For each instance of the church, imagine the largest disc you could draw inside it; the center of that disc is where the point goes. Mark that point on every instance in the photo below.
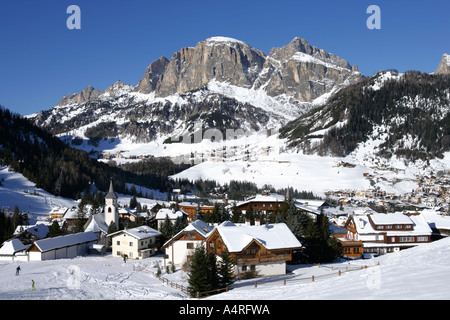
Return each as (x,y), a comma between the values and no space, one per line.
(100,223)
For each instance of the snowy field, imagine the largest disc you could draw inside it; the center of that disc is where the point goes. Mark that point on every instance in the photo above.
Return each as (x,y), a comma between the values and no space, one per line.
(419,273)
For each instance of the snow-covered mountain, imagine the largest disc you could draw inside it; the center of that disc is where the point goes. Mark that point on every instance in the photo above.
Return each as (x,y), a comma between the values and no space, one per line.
(223,83)
(399,115)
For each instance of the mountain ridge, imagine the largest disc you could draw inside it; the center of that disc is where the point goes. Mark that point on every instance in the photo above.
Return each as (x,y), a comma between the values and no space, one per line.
(217,74)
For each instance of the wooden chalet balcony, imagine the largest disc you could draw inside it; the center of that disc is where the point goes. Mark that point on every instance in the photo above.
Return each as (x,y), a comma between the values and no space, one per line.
(248,259)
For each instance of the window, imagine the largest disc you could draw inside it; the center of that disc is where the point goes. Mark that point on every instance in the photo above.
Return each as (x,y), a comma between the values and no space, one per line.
(406,239)
(118,242)
(131,243)
(189,245)
(252,267)
(422,239)
(244,268)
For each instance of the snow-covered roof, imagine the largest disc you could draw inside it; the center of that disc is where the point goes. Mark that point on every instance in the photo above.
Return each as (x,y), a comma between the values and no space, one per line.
(271,197)
(39,230)
(203,228)
(273,236)
(10,247)
(436,220)
(420,226)
(390,219)
(59,210)
(141,232)
(65,241)
(96,223)
(172,214)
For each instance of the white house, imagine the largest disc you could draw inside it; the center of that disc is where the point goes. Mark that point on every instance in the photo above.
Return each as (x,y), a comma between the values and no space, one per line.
(136,243)
(181,246)
(14,250)
(62,247)
(173,216)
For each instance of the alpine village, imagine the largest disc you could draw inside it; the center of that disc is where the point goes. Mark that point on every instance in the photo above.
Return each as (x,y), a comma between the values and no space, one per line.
(81,179)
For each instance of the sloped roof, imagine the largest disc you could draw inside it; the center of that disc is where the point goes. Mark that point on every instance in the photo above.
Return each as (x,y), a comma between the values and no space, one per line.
(141,232)
(39,230)
(12,246)
(272,236)
(96,223)
(199,226)
(65,241)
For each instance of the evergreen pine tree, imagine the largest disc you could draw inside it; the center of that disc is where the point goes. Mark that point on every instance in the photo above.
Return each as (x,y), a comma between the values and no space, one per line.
(198,279)
(54,230)
(212,271)
(226,272)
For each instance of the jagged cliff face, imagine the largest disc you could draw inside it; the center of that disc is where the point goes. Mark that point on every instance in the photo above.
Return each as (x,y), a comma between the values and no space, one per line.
(444,66)
(223,82)
(297,69)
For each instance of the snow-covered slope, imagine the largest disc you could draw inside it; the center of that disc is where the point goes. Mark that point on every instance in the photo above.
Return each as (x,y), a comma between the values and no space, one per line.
(15,189)
(418,273)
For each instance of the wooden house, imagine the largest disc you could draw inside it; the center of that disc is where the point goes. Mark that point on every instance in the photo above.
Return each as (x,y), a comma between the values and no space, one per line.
(264,203)
(383,233)
(255,250)
(58,212)
(193,208)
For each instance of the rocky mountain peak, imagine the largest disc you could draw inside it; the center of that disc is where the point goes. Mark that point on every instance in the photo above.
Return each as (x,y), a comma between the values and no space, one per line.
(85,95)
(444,66)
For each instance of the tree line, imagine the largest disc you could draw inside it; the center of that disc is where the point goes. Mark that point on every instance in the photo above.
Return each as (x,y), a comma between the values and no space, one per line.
(414,105)
(64,171)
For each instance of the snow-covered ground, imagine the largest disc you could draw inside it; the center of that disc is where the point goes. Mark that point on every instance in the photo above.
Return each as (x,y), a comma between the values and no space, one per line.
(419,273)
(15,189)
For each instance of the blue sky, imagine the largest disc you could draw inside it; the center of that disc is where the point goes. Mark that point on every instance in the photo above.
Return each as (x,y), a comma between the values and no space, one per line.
(41,60)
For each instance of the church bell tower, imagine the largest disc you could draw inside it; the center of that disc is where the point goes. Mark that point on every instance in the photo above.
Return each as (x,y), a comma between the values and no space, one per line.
(111,207)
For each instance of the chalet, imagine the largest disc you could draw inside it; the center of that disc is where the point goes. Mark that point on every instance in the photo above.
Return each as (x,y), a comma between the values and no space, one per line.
(255,250)
(193,208)
(180,247)
(58,212)
(62,247)
(383,233)
(136,243)
(265,203)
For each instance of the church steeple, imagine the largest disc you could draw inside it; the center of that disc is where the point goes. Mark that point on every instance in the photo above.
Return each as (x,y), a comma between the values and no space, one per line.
(111,194)
(111,207)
